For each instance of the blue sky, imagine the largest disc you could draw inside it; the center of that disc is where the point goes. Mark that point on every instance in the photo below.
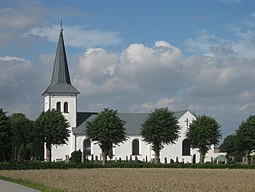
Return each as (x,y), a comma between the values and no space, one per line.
(133,56)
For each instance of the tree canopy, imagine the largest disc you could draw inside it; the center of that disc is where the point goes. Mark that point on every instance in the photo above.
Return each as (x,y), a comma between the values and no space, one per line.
(107,129)
(246,135)
(161,127)
(21,129)
(203,132)
(231,146)
(54,129)
(5,137)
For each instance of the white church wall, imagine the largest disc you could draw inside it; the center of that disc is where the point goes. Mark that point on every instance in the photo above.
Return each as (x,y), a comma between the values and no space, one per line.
(79,143)
(209,156)
(95,148)
(70,99)
(174,151)
(171,151)
(60,152)
(124,150)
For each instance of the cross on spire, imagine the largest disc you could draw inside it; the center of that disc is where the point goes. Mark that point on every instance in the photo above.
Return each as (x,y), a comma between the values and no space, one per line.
(61,26)
(187,122)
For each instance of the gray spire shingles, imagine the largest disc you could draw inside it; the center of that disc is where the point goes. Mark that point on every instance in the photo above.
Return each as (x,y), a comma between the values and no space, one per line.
(60,81)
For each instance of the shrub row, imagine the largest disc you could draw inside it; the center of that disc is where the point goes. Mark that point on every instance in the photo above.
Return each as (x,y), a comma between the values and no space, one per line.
(62,165)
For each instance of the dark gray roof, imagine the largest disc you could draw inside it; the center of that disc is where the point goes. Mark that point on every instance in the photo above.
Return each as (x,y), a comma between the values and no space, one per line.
(60,81)
(132,125)
(83,116)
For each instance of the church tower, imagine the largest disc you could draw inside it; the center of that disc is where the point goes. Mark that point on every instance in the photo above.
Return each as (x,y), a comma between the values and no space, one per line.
(62,96)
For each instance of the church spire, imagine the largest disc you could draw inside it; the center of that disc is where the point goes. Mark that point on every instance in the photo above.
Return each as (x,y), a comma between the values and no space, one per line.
(60,81)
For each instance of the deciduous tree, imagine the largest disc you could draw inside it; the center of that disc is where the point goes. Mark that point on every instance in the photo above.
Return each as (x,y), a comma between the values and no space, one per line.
(21,128)
(5,147)
(246,135)
(203,133)
(107,129)
(161,127)
(37,144)
(231,146)
(54,129)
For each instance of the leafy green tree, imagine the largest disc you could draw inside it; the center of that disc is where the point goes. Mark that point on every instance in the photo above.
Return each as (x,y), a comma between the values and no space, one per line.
(231,146)
(5,146)
(107,129)
(161,127)
(36,146)
(21,128)
(54,129)
(202,133)
(246,135)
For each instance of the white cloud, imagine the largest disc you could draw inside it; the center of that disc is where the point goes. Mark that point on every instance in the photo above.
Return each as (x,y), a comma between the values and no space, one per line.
(14,21)
(141,63)
(19,86)
(220,86)
(138,80)
(136,66)
(77,36)
(10,18)
(209,44)
(230,1)
(246,95)
(96,72)
(160,103)
(12,58)
(248,106)
(12,70)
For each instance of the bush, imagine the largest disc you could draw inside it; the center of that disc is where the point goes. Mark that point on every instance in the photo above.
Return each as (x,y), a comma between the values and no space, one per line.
(76,156)
(89,165)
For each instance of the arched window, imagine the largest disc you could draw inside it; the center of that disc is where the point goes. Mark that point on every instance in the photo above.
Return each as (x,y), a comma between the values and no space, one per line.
(135,147)
(58,106)
(87,147)
(65,107)
(185,147)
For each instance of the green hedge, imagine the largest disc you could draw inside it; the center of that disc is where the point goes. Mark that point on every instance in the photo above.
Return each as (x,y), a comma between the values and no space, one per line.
(62,165)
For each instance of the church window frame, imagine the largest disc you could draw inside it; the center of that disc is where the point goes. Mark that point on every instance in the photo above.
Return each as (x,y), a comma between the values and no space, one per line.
(186,147)
(135,147)
(58,106)
(66,107)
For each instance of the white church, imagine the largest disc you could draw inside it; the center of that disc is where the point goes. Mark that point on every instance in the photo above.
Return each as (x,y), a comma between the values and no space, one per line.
(62,96)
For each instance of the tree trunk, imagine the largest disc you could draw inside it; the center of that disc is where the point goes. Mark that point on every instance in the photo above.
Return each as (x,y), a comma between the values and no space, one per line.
(104,157)
(157,160)
(202,157)
(247,158)
(48,152)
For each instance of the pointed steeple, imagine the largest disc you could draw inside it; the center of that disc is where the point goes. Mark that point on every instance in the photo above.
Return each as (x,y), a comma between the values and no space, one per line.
(60,81)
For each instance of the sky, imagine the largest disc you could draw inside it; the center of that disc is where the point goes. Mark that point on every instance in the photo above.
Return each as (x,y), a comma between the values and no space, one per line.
(133,56)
